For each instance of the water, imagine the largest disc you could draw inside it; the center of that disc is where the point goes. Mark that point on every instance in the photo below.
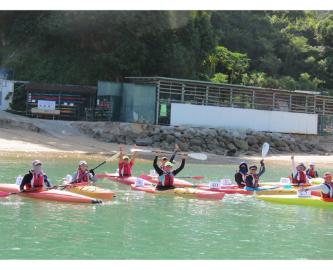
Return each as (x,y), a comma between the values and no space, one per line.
(138,225)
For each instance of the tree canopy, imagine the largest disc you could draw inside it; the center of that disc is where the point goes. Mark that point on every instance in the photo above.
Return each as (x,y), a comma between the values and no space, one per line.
(278,49)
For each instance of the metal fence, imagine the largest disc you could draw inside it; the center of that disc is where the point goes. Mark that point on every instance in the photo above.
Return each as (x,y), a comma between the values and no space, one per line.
(171,90)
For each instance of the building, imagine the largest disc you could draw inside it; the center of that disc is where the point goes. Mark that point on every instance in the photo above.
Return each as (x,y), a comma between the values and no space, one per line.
(58,101)
(201,103)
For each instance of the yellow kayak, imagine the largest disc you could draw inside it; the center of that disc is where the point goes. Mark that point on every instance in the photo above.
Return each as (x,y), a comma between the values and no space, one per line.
(91,191)
(295,200)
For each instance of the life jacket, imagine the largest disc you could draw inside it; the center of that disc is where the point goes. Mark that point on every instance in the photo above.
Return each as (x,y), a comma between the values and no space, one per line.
(82,176)
(37,180)
(125,169)
(299,178)
(166,180)
(330,193)
(251,179)
(311,173)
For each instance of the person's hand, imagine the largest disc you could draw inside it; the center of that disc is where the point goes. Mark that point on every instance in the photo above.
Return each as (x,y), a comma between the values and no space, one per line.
(262,162)
(92,172)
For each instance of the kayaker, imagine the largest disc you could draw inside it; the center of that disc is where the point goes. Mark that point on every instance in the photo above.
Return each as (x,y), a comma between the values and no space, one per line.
(252,179)
(83,175)
(311,172)
(240,176)
(298,175)
(35,178)
(125,164)
(326,188)
(165,159)
(166,175)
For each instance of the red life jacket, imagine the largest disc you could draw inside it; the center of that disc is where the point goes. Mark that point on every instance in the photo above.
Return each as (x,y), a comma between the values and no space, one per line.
(37,180)
(311,173)
(125,170)
(166,180)
(299,178)
(82,176)
(330,193)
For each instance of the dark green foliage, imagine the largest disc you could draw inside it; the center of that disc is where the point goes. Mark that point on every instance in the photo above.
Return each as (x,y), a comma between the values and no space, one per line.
(282,49)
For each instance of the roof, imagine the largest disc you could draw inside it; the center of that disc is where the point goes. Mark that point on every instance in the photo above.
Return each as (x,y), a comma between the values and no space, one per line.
(81,89)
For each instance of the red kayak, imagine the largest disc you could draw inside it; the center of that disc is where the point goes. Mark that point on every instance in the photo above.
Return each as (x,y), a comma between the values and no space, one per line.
(185,192)
(148,179)
(3,194)
(51,195)
(116,178)
(227,190)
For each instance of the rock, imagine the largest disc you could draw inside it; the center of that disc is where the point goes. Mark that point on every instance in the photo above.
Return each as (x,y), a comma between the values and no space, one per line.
(241,144)
(251,140)
(231,146)
(195,148)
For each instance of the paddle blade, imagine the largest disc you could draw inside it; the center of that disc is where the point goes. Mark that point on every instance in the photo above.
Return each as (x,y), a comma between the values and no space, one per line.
(114,157)
(199,156)
(264,150)
(141,150)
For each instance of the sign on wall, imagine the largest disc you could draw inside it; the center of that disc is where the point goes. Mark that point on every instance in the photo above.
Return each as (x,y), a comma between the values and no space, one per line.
(46,105)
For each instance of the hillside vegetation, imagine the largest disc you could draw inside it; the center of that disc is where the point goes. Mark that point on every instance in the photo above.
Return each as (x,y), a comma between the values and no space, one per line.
(278,49)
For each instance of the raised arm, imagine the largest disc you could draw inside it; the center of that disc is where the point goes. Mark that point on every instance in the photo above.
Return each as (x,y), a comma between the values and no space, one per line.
(293,165)
(262,168)
(182,165)
(157,169)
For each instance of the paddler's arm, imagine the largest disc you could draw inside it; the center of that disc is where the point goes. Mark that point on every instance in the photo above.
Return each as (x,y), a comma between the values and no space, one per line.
(262,168)
(157,169)
(181,165)
(321,187)
(47,182)
(26,180)
(121,154)
(293,166)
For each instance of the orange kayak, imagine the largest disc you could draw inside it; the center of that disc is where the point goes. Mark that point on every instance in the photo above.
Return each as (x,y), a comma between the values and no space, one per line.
(50,195)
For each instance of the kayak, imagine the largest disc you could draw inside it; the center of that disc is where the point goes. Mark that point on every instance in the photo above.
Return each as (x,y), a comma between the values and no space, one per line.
(148,179)
(295,200)
(185,192)
(116,178)
(51,195)
(226,190)
(265,190)
(176,182)
(3,194)
(91,191)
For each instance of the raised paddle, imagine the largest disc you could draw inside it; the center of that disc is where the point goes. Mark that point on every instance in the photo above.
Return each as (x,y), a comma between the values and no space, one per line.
(264,150)
(199,156)
(113,157)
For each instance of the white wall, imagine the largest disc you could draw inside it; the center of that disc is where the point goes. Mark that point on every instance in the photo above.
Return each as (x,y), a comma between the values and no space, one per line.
(259,120)
(6,86)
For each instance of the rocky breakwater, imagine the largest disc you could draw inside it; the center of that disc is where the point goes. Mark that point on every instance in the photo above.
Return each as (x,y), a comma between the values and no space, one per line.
(218,141)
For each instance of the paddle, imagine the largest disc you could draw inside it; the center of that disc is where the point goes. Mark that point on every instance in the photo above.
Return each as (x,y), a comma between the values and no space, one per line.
(199,156)
(113,157)
(196,177)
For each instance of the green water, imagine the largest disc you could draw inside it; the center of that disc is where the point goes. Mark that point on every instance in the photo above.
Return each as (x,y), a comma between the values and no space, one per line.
(138,225)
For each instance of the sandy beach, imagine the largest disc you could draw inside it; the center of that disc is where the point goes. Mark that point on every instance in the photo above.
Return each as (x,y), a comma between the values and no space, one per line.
(68,142)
